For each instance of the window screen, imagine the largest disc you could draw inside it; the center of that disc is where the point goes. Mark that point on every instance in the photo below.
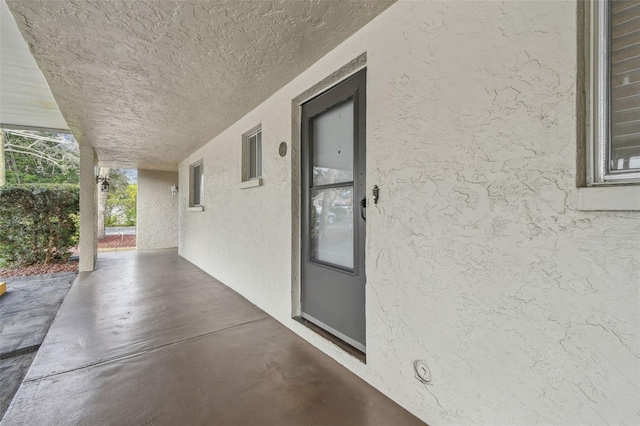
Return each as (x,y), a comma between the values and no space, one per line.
(624,59)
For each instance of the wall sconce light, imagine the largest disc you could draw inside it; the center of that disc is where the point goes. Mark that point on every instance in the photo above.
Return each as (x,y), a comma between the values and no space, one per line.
(105,183)
(174,190)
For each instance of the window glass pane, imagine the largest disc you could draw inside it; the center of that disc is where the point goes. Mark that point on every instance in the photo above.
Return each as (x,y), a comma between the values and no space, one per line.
(625,85)
(201,196)
(331,226)
(259,154)
(252,156)
(196,195)
(332,136)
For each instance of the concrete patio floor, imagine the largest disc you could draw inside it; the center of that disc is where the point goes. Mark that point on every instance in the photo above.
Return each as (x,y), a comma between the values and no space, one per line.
(148,338)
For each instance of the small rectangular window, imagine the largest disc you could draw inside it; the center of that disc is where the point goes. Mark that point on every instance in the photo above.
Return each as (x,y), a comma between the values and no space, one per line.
(252,158)
(196,193)
(613,91)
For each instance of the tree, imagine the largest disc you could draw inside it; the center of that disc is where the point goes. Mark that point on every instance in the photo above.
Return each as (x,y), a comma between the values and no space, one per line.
(36,157)
(121,203)
(38,219)
(118,206)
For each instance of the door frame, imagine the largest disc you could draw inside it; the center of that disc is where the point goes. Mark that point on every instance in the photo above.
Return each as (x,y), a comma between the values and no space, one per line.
(328,287)
(351,68)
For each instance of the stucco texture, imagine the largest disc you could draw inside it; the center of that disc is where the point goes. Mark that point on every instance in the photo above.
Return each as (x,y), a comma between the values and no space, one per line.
(170,75)
(478,262)
(157,216)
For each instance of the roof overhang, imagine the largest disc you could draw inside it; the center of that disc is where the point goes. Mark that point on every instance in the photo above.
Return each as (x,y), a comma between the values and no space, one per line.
(26,102)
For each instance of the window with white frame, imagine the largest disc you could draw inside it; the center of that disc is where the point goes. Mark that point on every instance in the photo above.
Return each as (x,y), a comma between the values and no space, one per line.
(196,184)
(252,154)
(613,83)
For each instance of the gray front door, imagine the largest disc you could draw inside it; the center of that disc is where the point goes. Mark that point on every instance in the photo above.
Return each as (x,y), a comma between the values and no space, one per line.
(333,220)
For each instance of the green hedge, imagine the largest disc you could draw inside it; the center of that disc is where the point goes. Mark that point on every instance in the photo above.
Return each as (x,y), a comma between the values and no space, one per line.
(38,223)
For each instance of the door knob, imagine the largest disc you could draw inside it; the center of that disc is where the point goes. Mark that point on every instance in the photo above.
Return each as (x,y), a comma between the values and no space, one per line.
(363,206)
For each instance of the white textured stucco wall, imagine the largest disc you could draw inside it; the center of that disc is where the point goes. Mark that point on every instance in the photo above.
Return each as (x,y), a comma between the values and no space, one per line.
(478,261)
(157,220)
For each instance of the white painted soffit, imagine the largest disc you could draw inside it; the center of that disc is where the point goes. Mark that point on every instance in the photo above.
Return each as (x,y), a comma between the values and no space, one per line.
(26,101)
(148,82)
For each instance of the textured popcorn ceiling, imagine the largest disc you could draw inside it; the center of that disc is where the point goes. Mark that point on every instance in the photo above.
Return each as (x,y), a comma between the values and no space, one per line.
(148,82)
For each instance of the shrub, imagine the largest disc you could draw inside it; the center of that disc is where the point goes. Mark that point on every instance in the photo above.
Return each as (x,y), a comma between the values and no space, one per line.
(38,223)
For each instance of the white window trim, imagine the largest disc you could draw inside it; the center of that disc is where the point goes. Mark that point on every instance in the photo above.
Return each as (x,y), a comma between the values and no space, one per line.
(246,181)
(597,78)
(251,183)
(609,198)
(192,206)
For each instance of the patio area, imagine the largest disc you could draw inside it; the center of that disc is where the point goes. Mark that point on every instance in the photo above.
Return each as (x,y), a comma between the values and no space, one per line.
(150,338)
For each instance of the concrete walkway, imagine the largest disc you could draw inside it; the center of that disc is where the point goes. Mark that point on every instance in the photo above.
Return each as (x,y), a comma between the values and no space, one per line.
(120,230)
(26,312)
(148,338)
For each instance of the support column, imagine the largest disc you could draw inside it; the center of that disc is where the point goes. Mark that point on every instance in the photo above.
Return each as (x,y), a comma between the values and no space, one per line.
(88,244)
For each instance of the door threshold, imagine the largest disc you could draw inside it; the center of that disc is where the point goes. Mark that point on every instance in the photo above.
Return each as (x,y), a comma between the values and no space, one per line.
(345,346)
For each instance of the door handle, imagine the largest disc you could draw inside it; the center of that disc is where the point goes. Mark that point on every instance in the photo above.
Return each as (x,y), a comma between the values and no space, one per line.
(363,207)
